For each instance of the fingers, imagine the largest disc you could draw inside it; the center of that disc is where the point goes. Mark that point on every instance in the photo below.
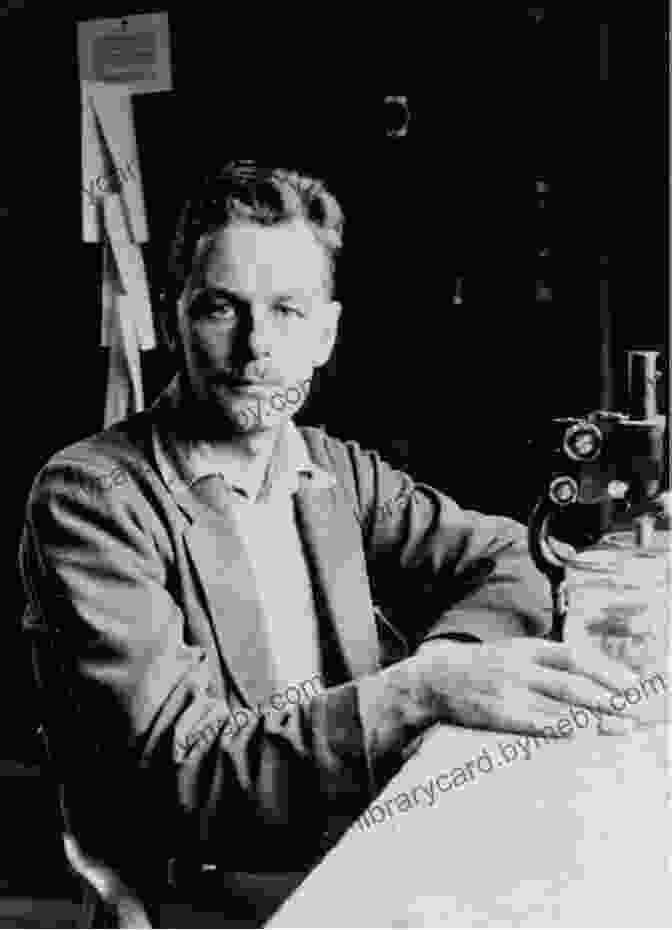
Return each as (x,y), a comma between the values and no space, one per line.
(522,712)
(538,715)
(588,662)
(529,686)
(514,713)
(575,690)
(555,720)
(594,681)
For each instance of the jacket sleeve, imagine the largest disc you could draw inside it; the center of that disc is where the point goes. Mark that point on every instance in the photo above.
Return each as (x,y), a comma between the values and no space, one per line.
(152,756)
(441,570)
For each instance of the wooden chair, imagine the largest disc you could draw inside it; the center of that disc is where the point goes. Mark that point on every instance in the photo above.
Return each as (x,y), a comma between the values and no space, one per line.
(106,900)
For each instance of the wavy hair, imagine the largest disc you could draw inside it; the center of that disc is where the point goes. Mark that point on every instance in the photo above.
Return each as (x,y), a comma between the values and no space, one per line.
(247,190)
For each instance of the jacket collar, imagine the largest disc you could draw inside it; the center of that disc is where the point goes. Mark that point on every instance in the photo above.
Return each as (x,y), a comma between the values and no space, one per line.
(180,464)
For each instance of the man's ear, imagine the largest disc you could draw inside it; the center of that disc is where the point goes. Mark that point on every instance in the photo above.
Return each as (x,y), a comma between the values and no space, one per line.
(327,336)
(173,310)
(167,322)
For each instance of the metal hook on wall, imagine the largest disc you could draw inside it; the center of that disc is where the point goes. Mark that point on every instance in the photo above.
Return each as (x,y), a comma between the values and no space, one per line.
(397,117)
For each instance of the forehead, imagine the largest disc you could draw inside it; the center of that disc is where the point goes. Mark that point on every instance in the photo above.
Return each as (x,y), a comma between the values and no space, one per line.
(262,260)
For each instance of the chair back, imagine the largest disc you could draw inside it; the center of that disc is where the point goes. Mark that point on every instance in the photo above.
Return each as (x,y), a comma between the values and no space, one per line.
(106,900)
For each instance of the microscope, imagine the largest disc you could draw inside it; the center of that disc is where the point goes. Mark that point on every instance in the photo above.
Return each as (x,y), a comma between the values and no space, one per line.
(598,458)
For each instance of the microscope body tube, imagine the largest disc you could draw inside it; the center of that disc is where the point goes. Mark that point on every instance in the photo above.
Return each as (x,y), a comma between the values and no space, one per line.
(642,384)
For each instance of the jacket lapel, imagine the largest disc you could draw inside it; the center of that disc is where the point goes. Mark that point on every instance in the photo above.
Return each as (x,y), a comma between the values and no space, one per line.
(333,541)
(225,571)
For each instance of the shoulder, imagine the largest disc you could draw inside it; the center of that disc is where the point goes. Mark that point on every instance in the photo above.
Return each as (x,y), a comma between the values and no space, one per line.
(323,448)
(98,462)
(360,471)
(344,457)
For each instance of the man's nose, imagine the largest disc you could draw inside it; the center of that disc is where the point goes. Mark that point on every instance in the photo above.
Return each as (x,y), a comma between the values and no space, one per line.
(260,333)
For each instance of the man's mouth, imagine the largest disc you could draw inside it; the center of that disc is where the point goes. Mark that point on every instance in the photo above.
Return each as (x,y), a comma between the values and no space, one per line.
(246,384)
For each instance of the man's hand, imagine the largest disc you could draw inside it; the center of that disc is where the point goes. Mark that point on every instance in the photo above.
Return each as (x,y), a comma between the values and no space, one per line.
(519,685)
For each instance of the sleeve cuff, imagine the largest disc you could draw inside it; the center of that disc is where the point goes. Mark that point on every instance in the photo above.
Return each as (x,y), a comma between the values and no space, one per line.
(341,745)
(456,637)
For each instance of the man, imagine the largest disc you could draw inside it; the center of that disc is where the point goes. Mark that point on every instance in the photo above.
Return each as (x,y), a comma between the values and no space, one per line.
(232,558)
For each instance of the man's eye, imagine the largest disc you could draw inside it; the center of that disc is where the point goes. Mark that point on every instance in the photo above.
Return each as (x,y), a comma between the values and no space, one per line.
(289,309)
(210,307)
(222,309)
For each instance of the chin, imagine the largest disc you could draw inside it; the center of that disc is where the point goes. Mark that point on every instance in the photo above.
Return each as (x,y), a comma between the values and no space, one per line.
(247,422)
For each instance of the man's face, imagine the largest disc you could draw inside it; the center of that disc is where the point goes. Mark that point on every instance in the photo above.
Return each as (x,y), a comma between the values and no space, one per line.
(255,320)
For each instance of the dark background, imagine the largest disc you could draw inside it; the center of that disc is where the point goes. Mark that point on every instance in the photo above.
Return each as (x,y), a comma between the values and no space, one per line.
(514,146)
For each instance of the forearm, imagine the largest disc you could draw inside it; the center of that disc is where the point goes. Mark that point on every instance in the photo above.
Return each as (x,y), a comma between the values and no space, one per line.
(429,558)
(328,757)
(511,599)
(395,708)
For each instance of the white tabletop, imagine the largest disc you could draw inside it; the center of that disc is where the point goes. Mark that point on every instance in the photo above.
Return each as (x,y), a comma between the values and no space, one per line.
(576,835)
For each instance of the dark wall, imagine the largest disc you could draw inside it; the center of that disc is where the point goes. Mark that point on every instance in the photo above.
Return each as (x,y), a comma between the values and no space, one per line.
(450,391)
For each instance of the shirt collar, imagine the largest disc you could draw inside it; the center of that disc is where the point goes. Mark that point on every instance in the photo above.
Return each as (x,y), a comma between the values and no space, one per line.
(181,463)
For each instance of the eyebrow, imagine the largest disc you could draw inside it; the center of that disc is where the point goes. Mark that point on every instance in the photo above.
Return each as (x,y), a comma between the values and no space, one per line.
(220,291)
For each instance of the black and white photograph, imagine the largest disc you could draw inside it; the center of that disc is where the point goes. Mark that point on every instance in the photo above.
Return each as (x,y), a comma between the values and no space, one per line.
(338,477)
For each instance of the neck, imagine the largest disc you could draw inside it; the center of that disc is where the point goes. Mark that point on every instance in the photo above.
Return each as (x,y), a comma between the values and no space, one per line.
(206,427)
(251,450)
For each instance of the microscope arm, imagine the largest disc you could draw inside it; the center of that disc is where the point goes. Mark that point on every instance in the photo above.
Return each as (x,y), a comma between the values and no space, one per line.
(549,562)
